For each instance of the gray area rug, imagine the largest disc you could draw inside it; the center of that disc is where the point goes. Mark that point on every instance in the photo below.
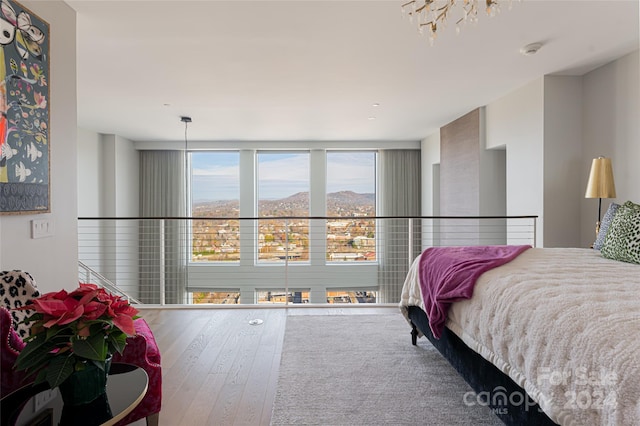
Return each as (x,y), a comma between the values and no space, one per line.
(363,370)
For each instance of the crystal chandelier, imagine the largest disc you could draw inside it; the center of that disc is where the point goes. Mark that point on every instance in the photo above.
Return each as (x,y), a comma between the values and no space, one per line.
(432,15)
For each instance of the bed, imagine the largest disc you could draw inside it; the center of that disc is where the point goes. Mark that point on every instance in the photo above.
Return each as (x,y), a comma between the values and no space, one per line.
(551,337)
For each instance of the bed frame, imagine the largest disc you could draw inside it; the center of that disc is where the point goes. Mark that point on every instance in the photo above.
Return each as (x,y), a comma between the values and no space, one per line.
(481,375)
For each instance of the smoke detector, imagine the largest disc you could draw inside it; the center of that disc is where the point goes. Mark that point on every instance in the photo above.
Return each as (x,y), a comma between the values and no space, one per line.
(530,49)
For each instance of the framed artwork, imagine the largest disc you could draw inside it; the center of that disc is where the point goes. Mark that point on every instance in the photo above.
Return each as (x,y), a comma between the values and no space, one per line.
(24,111)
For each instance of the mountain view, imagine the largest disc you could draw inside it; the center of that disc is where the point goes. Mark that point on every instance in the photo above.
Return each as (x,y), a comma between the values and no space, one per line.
(342,203)
(350,237)
(350,234)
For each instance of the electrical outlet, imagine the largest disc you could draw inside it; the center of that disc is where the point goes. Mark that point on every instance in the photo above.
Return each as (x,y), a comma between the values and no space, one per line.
(41,228)
(43,398)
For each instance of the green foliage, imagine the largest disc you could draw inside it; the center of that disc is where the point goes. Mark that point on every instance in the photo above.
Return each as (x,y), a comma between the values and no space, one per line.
(70,329)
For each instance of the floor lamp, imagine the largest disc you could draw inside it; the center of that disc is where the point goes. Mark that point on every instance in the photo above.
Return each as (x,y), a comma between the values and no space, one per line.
(601,184)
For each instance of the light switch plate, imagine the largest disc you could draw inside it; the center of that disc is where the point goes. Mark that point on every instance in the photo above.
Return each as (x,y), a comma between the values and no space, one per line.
(41,228)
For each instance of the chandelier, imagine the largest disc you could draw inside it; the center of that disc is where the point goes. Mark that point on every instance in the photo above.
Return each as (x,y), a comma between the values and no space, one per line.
(432,15)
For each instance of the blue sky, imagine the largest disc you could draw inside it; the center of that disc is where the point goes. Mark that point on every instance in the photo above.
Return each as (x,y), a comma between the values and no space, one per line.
(215,177)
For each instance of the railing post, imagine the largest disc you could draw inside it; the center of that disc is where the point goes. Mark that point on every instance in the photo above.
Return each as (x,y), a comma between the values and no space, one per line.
(410,239)
(162,263)
(87,276)
(286,261)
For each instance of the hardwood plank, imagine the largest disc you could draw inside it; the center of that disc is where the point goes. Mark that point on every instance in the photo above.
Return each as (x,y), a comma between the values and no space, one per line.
(272,382)
(254,398)
(201,407)
(180,337)
(204,346)
(217,369)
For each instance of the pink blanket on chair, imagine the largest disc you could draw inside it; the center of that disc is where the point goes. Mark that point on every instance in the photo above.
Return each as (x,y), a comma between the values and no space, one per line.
(449,274)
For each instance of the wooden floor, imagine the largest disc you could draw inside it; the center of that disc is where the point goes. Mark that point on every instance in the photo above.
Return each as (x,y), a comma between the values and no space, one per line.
(217,368)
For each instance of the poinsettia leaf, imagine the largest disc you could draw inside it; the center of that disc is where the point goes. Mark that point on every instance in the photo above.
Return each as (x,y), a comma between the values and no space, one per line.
(34,348)
(59,369)
(93,347)
(31,318)
(117,341)
(100,364)
(41,377)
(54,331)
(33,362)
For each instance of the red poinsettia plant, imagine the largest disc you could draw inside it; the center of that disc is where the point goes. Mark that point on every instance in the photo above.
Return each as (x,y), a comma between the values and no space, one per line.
(69,330)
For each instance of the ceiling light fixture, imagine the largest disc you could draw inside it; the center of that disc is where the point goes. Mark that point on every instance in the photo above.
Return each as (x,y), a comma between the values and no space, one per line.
(530,49)
(186,120)
(432,15)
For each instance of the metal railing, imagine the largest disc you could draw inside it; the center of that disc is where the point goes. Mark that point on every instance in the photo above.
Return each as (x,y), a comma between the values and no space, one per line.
(187,260)
(88,275)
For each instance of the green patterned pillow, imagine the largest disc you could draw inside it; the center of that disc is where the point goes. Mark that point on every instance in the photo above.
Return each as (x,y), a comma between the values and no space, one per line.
(623,239)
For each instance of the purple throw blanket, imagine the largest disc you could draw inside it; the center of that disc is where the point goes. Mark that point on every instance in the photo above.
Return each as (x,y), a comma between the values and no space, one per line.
(449,274)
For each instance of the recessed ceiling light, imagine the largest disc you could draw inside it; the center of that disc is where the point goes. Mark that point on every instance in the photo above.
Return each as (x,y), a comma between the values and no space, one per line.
(530,49)
(166,105)
(372,118)
(376,105)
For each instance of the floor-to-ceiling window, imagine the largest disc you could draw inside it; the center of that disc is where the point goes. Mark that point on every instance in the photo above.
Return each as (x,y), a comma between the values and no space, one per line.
(351,199)
(283,190)
(215,193)
(233,255)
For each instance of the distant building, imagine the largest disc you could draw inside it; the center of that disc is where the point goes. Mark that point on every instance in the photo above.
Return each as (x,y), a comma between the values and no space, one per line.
(364,242)
(346,256)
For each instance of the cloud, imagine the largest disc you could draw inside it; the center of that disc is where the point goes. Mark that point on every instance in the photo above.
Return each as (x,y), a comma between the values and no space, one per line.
(215,176)
(351,171)
(282,175)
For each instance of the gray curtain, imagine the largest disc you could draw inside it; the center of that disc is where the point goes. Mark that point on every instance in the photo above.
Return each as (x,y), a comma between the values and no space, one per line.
(400,195)
(163,242)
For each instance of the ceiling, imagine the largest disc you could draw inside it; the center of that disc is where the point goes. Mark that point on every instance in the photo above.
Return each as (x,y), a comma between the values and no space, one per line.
(313,70)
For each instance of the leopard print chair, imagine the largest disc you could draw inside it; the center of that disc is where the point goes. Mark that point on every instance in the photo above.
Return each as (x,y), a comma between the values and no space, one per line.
(16,288)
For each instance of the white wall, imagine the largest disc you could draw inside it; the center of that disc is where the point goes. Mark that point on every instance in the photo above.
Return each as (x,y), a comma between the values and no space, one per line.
(127,175)
(430,183)
(109,187)
(493,175)
(516,122)
(89,174)
(430,156)
(611,128)
(52,260)
(563,181)
(108,167)
(90,197)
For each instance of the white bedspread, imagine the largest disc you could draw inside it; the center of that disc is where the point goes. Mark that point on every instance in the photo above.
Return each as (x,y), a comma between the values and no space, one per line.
(562,323)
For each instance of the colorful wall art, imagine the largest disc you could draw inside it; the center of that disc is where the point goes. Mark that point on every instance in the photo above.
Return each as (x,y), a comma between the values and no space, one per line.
(24,111)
